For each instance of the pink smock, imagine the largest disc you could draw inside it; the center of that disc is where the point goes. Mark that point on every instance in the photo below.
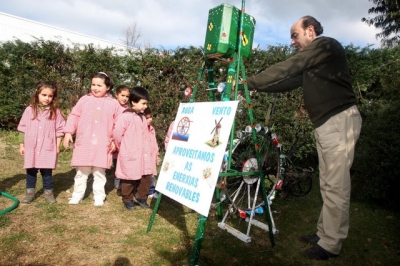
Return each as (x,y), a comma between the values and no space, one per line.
(132,139)
(154,151)
(93,119)
(40,138)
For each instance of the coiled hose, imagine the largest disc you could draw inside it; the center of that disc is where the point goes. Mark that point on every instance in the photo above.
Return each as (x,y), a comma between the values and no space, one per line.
(15,204)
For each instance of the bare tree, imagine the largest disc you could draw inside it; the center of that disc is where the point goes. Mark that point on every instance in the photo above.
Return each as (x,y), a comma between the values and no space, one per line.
(132,36)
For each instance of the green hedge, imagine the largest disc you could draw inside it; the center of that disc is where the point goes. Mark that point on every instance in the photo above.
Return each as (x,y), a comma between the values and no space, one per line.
(166,73)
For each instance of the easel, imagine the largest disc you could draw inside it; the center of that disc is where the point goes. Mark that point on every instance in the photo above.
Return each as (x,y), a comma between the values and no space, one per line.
(236,66)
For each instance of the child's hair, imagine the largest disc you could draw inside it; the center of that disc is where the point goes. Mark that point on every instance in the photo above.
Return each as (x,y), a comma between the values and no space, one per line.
(35,98)
(137,94)
(107,79)
(121,88)
(147,112)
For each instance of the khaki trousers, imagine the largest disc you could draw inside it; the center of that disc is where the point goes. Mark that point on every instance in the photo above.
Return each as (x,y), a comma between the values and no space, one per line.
(336,140)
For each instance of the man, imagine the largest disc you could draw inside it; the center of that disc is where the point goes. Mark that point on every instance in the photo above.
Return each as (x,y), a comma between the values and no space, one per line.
(321,68)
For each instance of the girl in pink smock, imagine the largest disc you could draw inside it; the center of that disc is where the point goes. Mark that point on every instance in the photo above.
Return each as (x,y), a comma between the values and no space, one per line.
(92,119)
(41,128)
(169,135)
(135,161)
(154,151)
(122,96)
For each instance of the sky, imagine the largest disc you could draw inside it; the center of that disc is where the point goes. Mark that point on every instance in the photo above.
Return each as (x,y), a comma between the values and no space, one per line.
(169,24)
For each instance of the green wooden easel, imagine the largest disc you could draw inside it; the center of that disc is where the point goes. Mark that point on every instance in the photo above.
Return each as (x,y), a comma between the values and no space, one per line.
(228,38)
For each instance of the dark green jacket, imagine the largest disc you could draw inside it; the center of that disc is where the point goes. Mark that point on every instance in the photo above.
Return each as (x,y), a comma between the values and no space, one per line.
(322,69)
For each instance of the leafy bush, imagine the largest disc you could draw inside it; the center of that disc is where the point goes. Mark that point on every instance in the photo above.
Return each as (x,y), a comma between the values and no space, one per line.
(166,73)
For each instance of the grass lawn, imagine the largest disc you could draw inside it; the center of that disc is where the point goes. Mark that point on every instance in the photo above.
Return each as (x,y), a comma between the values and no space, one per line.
(60,234)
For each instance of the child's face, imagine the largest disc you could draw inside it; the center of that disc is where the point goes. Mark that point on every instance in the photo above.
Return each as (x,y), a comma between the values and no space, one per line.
(140,106)
(149,119)
(123,97)
(98,87)
(46,96)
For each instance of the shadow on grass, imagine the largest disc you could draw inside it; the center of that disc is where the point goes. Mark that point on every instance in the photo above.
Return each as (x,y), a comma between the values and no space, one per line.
(175,213)
(11,182)
(122,261)
(63,181)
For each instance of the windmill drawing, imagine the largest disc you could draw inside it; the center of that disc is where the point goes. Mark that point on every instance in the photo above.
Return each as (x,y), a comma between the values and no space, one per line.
(215,140)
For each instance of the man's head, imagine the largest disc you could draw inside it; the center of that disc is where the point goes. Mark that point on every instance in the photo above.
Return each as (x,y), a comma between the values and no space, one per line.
(304,31)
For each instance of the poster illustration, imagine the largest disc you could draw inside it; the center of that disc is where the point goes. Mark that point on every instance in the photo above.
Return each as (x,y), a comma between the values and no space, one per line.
(192,162)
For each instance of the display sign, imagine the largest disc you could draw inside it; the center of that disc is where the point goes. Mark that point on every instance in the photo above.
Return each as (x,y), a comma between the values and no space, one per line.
(192,162)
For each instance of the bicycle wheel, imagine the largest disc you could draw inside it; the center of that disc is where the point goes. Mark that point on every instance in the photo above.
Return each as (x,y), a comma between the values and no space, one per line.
(296,180)
(245,191)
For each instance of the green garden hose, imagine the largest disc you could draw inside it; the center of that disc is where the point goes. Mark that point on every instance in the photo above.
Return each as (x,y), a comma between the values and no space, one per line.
(15,205)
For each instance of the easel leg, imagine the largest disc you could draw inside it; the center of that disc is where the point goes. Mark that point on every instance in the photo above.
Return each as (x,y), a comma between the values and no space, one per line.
(153,214)
(197,241)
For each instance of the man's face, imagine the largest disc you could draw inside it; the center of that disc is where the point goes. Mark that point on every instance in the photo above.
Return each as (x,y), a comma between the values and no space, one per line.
(301,37)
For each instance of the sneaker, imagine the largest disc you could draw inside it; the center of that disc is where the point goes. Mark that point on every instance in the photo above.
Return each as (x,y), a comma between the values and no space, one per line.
(318,253)
(142,203)
(119,193)
(98,202)
(74,201)
(154,195)
(129,205)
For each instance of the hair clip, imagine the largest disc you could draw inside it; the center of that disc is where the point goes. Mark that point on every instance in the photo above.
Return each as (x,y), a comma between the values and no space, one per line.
(103,73)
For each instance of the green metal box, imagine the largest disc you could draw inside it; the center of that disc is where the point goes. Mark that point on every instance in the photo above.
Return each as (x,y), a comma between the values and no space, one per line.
(222,36)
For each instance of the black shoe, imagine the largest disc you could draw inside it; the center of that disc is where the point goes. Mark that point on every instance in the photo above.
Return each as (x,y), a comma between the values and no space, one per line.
(119,193)
(129,205)
(318,253)
(142,203)
(311,239)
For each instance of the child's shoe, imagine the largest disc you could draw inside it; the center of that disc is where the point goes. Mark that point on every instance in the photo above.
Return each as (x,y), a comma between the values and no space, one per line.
(98,202)
(154,195)
(74,201)
(129,205)
(49,196)
(142,203)
(29,196)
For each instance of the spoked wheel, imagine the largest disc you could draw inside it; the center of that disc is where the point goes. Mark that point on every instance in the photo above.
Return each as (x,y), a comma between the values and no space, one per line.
(245,191)
(298,181)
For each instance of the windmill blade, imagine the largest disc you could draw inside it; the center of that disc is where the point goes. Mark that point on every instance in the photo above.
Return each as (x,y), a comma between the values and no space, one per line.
(213,129)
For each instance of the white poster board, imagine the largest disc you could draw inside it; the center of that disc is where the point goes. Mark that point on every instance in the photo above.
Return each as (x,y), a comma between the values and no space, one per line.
(192,162)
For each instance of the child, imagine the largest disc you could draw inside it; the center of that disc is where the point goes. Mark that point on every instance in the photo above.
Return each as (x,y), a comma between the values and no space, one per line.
(92,118)
(135,162)
(122,96)
(169,135)
(42,125)
(154,150)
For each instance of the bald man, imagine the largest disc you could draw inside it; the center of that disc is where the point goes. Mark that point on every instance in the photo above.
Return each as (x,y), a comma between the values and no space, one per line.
(320,67)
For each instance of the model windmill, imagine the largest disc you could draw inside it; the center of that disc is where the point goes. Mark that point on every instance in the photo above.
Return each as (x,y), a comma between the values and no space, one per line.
(215,140)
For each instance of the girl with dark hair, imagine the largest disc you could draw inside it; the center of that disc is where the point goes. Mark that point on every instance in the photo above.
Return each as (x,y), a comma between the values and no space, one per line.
(122,95)
(92,119)
(41,128)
